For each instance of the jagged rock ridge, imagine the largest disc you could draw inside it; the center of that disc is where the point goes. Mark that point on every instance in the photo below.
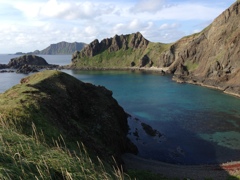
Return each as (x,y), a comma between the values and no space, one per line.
(120,51)
(114,44)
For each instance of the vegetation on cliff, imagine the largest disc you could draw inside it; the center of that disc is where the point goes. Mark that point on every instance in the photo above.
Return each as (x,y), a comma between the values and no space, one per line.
(209,58)
(131,50)
(44,120)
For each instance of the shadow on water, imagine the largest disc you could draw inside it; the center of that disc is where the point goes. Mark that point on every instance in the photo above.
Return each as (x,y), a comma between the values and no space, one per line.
(182,147)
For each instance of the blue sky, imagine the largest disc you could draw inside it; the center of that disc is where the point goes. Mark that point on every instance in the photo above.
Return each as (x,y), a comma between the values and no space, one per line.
(28,25)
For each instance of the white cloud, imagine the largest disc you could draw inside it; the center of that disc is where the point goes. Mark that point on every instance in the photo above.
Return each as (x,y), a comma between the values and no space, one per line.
(28,25)
(151,6)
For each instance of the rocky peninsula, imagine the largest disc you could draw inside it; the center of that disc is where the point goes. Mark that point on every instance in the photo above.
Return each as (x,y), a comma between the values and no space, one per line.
(209,58)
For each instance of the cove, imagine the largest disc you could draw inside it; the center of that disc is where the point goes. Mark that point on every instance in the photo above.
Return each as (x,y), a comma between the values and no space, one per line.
(197,125)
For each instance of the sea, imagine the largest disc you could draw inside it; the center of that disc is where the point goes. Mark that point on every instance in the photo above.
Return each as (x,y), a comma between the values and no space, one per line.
(194,124)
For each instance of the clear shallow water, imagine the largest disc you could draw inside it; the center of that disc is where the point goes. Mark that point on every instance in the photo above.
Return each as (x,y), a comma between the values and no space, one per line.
(198,125)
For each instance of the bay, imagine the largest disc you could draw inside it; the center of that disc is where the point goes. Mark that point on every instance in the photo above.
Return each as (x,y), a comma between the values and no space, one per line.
(197,125)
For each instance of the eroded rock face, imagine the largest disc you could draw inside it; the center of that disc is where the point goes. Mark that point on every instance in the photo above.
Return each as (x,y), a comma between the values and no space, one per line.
(116,43)
(212,56)
(26,60)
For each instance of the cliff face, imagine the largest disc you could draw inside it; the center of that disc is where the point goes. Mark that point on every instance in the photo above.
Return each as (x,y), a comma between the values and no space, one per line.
(114,44)
(62,48)
(210,57)
(119,51)
(60,105)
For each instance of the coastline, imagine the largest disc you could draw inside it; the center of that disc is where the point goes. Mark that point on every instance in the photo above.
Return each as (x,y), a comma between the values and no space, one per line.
(197,172)
(161,71)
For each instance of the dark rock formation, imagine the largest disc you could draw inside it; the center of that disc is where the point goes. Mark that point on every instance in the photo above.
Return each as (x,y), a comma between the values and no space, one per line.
(3,66)
(144,61)
(27,60)
(150,131)
(59,104)
(25,69)
(30,63)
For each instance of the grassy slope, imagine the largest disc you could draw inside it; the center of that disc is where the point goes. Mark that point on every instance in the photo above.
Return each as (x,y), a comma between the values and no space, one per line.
(32,147)
(123,58)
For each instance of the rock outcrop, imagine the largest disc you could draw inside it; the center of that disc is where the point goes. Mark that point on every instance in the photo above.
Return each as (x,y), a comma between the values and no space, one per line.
(28,64)
(113,44)
(61,105)
(211,57)
(120,51)
(18,62)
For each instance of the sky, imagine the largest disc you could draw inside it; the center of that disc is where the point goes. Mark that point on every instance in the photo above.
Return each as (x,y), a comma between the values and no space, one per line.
(28,25)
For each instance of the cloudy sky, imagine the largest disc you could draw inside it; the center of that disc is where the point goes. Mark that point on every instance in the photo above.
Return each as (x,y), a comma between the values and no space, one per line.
(28,25)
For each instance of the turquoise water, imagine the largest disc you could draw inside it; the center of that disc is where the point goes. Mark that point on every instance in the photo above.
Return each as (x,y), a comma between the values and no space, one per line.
(198,125)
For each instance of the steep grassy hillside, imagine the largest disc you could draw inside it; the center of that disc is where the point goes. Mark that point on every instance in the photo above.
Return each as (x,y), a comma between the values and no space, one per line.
(44,120)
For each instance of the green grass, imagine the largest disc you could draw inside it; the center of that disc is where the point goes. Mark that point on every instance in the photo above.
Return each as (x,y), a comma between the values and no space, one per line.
(191,66)
(123,58)
(29,157)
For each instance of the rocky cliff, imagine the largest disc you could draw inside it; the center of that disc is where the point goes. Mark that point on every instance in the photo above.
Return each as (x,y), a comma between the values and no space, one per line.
(60,105)
(119,51)
(211,57)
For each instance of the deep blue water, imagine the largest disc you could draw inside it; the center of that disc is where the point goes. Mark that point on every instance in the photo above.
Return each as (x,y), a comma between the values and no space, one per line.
(198,125)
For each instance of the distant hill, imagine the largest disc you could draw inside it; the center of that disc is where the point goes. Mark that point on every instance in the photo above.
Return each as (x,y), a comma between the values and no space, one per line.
(63,48)
(59,48)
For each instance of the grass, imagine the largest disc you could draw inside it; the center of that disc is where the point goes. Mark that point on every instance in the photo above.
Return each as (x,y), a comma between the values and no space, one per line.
(123,58)
(191,66)
(29,157)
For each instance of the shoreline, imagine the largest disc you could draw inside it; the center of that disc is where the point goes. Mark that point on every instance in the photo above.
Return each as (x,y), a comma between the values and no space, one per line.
(214,171)
(161,71)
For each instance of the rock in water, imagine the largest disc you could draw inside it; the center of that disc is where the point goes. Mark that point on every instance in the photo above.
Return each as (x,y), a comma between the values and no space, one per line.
(27,60)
